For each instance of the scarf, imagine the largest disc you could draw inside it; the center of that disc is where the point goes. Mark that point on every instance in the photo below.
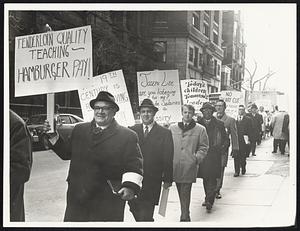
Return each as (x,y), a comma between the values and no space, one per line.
(191,125)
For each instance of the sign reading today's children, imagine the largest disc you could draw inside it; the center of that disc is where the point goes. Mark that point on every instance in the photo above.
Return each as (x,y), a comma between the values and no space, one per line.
(114,83)
(162,87)
(54,61)
(194,92)
(233,99)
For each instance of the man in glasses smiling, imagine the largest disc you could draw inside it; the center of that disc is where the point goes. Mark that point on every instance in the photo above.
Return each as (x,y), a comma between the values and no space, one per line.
(106,164)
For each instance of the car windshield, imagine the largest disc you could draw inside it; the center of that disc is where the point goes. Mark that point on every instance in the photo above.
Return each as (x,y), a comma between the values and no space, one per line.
(40,119)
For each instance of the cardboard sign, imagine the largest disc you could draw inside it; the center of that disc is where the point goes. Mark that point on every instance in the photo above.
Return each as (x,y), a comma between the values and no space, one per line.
(194,92)
(54,61)
(162,87)
(233,99)
(114,83)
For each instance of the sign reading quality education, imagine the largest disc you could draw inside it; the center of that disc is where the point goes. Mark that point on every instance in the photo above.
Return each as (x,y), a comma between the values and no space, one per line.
(194,92)
(114,83)
(54,61)
(162,87)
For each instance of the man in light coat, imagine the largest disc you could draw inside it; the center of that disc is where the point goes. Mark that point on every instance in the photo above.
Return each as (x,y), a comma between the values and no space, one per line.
(280,137)
(190,148)
(106,164)
(157,148)
(231,129)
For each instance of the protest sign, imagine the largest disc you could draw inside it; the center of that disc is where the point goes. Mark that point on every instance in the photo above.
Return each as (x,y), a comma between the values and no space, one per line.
(54,61)
(114,83)
(232,99)
(162,87)
(194,92)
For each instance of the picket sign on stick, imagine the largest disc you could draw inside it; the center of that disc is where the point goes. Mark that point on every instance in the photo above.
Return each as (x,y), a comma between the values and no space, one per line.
(194,92)
(162,87)
(232,99)
(114,83)
(50,110)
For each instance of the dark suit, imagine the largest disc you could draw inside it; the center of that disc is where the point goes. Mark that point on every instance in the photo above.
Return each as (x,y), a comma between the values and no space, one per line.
(255,136)
(157,150)
(244,129)
(20,165)
(96,158)
(210,168)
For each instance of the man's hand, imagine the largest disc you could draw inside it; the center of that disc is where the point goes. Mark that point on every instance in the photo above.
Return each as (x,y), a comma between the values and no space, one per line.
(167,185)
(46,128)
(126,193)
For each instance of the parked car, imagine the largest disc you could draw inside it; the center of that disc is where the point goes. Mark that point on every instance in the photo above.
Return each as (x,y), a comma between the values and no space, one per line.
(64,126)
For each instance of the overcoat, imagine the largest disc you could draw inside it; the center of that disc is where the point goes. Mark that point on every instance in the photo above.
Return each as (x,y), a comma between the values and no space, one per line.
(244,129)
(190,148)
(230,126)
(20,164)
(96,158)
(218,143)
(257,121)
(157,150)
(277,124)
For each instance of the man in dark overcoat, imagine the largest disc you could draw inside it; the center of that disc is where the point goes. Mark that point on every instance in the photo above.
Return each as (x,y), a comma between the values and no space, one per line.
(244,133)
(257,121)
(20,164)
(156,144)
(105,167)
(210,168)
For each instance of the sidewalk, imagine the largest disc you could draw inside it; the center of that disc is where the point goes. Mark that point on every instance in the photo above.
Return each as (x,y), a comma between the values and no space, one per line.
(256,199)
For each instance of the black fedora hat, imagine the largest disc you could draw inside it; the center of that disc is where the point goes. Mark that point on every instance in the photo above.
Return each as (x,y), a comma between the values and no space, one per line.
(207,105)
(104,96)
(148,103)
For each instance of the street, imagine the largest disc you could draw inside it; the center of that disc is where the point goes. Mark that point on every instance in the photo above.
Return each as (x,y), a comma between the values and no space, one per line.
(258,198)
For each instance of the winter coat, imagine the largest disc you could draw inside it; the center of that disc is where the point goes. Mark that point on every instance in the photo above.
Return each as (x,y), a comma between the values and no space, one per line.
(157,150)
(244,129)
(277,124)
(20,164)
(96,158)
(257,121)
(190,148)
(218,143)
(230,126)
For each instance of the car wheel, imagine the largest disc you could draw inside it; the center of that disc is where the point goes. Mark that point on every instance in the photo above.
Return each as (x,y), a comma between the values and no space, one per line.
(45,142)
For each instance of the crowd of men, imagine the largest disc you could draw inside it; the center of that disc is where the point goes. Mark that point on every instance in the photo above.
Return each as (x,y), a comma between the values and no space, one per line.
(111,164)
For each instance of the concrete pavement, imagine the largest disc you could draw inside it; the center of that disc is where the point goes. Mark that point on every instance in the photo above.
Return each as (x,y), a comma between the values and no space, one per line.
(262,197)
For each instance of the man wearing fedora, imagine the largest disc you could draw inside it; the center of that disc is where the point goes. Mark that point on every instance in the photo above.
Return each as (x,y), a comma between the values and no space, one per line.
(210,168)
(190,148)
(157,148)
(106,164)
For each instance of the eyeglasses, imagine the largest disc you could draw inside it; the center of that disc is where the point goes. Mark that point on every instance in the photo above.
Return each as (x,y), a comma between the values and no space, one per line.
(104,108)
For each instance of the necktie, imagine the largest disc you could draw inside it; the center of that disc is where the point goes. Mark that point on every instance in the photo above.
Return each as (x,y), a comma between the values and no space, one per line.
(146,131)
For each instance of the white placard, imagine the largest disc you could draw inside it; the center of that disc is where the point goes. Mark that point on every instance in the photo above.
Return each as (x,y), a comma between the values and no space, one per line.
(162,87)
(54,61)
(194,92)
(233,99)
(114,83)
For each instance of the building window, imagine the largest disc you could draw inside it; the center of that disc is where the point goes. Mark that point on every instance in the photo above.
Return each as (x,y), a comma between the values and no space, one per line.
(208,59)
(160,51)
(219,69)
(200,59)
(216,16)
(196,57)
(216,38)
(191,54)
(196,21)
(215,67)
(206,30)
(160,16)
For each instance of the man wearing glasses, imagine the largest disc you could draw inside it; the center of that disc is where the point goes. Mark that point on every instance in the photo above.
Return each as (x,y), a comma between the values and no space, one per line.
(106,164)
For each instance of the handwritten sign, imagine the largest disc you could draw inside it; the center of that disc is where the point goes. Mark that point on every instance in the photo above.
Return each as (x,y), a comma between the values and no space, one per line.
(194,92)
(54,61)
(162,87)
(233,99)
(114,83)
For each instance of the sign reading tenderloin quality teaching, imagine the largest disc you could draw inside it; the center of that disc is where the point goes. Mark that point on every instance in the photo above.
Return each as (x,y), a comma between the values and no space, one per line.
(162,87)
(194,92)
(54,61)
(233,99)
(114,83)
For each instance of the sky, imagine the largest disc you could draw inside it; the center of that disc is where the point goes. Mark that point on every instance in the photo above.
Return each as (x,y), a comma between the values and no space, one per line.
(270,35)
